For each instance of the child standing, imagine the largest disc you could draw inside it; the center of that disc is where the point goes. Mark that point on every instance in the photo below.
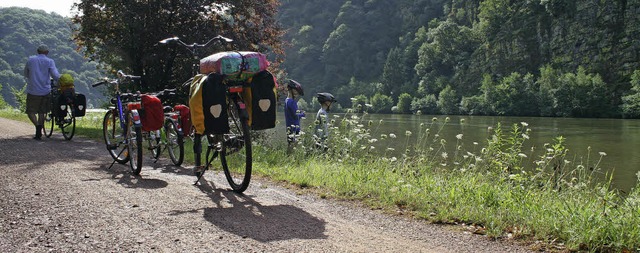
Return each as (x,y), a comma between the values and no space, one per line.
(322,119)
(291,113)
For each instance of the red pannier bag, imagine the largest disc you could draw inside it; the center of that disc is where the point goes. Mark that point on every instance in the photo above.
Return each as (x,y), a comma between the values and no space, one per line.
(185,122)
(153,114)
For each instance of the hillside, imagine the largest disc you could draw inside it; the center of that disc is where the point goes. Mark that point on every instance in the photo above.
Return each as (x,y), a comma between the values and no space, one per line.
(21,31)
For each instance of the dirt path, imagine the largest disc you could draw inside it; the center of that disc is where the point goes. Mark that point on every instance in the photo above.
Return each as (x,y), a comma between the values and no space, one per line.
(59,196)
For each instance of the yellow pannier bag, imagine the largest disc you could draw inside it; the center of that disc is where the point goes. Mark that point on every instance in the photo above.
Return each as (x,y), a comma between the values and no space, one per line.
(207,103)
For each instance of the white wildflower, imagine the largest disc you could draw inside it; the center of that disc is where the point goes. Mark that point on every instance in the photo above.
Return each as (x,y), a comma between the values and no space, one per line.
(602,153)
(459,136)
(392,136)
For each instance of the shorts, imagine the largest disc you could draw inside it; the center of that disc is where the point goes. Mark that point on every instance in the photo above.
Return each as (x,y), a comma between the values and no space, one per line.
(38,104)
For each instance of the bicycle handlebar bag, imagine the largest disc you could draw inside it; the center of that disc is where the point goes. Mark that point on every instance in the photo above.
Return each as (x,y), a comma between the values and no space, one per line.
(152,114)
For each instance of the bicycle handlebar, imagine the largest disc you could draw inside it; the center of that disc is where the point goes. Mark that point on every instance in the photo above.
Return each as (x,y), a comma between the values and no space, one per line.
(218,38)
(121,77)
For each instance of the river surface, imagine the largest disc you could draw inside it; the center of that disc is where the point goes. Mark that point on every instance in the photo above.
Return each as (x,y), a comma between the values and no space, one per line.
(617,138)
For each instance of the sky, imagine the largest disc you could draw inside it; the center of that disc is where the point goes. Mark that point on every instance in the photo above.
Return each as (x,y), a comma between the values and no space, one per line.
(62,7)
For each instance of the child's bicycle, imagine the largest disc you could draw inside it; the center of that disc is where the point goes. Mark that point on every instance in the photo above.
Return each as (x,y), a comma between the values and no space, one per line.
(171,136)
(121,125)
(62,114)
(234,146)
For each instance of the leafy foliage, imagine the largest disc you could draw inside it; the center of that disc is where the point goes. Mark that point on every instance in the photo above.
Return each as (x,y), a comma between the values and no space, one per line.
(23,30)
(536,53)
(125,34)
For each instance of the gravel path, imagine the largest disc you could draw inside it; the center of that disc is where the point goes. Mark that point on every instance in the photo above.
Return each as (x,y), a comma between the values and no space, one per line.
(60,196)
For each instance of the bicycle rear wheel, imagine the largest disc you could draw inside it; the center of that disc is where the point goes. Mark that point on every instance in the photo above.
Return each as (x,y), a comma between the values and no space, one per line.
(114,137)
(68,125)
(134,138)
(235,153)
(47,127)
(175,142)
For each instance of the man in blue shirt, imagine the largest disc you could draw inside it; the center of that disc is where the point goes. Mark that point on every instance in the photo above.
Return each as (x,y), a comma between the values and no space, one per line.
(38,71)
(291,113)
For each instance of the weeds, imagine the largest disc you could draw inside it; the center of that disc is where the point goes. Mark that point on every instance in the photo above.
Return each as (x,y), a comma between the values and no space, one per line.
(499,187)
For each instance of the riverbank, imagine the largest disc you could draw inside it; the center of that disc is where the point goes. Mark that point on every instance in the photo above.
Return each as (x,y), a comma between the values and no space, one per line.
(485,189)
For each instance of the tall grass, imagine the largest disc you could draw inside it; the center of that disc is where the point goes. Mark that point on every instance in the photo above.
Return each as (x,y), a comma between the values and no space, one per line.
(559,202)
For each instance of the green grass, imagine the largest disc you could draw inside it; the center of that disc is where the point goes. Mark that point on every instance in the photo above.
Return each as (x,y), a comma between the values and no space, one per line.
(558,204)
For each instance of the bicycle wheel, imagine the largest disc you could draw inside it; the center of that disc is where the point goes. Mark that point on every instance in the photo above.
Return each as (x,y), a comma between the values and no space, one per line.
(47,127)
(68,124)
(134,145)
(235,153)
(114,137)
(175,142)
(153,143)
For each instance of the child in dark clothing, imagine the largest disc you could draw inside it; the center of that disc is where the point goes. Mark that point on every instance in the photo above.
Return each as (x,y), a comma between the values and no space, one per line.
(291,113)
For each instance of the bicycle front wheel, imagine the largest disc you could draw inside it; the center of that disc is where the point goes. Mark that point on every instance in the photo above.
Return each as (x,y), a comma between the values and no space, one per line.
(68,124)
(235,153)
(114,137)
(134,145)
(175,142)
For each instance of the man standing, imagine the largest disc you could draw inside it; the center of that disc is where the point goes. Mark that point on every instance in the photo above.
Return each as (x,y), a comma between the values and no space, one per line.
(38,71)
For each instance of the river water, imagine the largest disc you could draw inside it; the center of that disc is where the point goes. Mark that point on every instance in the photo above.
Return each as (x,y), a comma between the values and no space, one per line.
(617,138)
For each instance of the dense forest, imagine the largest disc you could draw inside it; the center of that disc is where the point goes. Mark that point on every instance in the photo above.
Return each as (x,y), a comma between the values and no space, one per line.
(22,30)
(567,58)
(560,58)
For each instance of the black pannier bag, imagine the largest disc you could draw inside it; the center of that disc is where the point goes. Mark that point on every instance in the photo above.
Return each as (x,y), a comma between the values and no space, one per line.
(60,103)
(214,105)
(79,105)
(263,101)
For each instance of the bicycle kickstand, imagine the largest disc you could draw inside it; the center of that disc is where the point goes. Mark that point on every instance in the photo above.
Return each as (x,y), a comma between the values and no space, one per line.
(208,162)
(114,160)
(159,153)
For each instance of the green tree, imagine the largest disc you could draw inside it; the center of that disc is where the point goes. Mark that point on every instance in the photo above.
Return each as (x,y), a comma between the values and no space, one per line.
(404,103)
(125,34)
(359,103)
(631,101)
(425,105)
(448,101)
(23,30)
(381,103)
(3,104)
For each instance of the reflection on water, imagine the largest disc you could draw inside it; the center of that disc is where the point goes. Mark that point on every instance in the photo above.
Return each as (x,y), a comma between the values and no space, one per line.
(617,138)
